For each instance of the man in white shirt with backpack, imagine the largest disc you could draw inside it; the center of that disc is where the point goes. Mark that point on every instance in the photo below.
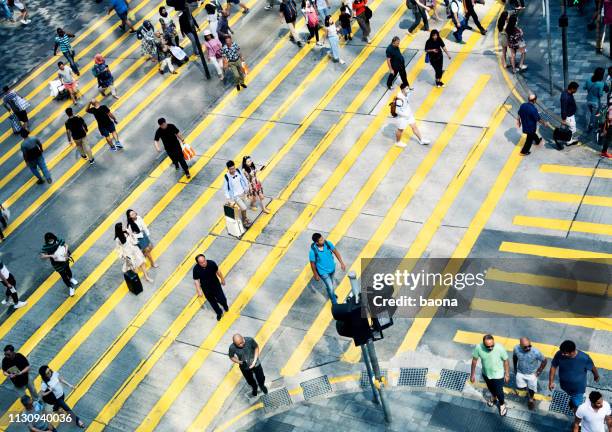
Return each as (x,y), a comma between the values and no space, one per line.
(400,109)
(236,187)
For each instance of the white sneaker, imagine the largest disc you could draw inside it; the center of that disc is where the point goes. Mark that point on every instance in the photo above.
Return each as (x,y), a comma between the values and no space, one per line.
(71,292)
(424,141)
(73,281)
(319,44)
(342,61)
(268,7)
(400,144)
(20,304)
(4,301)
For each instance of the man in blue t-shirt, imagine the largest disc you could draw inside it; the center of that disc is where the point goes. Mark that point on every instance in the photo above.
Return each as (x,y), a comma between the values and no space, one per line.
(122,9)
(322,263)
(528,118)
(573,366)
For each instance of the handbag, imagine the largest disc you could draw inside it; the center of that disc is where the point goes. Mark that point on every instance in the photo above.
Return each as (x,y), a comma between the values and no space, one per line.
(188,151)
(426,57)
(245,68)
(368,13)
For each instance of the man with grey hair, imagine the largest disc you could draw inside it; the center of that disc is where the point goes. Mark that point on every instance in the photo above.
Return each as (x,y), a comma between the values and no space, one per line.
(528,363)
(244,351)
(528,118)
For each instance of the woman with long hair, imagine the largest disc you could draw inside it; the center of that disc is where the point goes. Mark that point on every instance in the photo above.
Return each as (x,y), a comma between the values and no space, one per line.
(255,188)
(516,43)
(434,47)
(52,392)
(128,251)
(595,88)
(312,20)
(137,227)
(55,250)
(503,36)
(331,34)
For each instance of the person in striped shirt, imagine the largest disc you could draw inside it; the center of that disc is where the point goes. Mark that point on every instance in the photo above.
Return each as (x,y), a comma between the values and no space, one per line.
(62,41)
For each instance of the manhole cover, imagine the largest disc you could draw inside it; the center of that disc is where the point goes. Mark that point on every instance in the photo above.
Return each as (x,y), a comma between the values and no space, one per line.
(316,387)
(452,379)
(276,399)
(413,377)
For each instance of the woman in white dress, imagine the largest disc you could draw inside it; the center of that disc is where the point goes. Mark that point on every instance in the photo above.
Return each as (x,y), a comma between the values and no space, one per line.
(128,251)
(137,227)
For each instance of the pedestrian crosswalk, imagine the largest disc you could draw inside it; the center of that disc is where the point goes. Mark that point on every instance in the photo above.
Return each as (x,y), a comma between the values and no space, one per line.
(158,361)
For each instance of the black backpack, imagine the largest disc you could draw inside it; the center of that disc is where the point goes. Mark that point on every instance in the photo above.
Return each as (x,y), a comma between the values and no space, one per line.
(227,179)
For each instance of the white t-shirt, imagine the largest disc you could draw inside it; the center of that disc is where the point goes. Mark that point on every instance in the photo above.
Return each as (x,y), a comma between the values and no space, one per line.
(54,385)
(593,421)
(454,7)
(331,30)
(402,106)
(236,185)
(5,271)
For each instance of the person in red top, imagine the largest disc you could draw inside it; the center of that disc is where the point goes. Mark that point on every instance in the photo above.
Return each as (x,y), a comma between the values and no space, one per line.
(361,12)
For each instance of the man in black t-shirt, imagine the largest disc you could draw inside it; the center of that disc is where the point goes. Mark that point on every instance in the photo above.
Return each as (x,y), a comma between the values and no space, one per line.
(106,123)
(288,13)
(171,138)
(208,279)
(17,368)
(396,64)
(76,131)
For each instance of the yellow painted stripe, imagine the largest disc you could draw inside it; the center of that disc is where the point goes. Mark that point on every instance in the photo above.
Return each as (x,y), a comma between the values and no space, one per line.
(86,330)
(555,252)
(464,337)
(563,225)
(580,286)
(60,132)
(594,200)
(316,330)
(426,233)
(423,319)
(536,312)
(576,171)
(90,84)
(106,224)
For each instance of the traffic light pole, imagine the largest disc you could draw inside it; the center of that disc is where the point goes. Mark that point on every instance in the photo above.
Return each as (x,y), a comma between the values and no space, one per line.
(563,23)
(549,43)
(200,51)
(370,359)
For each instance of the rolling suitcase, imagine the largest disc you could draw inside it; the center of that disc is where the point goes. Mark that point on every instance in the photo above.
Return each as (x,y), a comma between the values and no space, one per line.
(15,123)
(562,134)
(133,282)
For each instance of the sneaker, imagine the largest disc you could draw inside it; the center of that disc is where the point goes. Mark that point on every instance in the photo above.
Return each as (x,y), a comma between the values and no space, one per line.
(219,316)
(243,85)
(523,67)
(25,22)
(40,181)
(264,389)
(267,7)
(71,292)
(441,84)
(84,156)
(91,161)
(400,144)
(225,307)
(113,148)
(341,61)
(238,87)
(73,281)
(246,11)
(525,154)
(188,176)
(300,44)
(4,302)
(118,145)
(606,155)
(319,44)
(424,141)
(49,180)
(254,392)
(20,304)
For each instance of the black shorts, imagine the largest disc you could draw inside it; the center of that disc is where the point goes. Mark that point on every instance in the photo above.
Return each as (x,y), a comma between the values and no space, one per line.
(107,129)
(22,116)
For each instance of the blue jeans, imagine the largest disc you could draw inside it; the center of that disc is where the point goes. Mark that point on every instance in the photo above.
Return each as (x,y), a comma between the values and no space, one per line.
(6,11)
(576,400)
(462,27)
(39,163)
(70,57)
(334,45)
(323,12)
(593,109)
(328,281)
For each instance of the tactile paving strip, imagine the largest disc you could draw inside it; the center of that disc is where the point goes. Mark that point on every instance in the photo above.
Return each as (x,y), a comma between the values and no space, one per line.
(452,379)
(560,403)
(276,399)
(413,377)
(364,381)
(316,387)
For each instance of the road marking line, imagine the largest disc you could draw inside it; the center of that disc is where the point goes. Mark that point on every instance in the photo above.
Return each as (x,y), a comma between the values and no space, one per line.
(576,171)
(427,231)
(89,85)
(536,312)
(149,217)
(580,286)
(103,311)
(563,225)
(316,330)
(470,338)
(594,200)
(555,252)
(424,317)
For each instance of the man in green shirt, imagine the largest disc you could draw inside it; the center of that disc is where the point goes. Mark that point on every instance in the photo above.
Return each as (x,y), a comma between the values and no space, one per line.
(495,369)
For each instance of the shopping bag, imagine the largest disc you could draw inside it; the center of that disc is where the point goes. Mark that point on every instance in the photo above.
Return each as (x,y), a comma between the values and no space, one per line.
(188,152)
(245,68)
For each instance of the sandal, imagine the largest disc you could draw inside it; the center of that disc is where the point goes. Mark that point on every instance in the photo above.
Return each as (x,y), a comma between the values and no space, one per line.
(491,402)
(503,410)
